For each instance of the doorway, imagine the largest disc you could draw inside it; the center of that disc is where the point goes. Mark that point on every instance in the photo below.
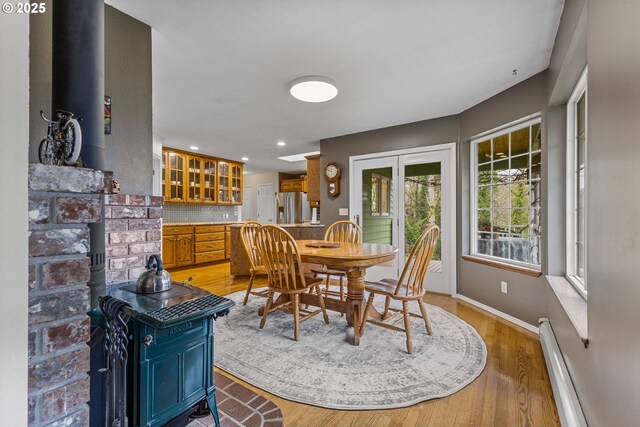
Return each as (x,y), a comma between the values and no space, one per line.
(266,204)
(395,195)
(247,203)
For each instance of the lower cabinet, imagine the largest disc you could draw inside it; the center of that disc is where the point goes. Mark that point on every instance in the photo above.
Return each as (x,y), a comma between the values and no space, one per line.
(187,245)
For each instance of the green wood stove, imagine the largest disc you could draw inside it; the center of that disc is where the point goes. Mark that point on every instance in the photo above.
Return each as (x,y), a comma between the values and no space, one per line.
(169,368)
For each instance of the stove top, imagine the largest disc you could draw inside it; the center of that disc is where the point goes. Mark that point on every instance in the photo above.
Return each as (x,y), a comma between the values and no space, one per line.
(179,304)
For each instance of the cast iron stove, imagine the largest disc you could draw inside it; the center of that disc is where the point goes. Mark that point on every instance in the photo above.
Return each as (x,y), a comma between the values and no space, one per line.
(170,351)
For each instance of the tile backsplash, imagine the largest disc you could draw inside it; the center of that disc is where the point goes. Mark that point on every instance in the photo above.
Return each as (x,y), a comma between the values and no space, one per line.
(178,212)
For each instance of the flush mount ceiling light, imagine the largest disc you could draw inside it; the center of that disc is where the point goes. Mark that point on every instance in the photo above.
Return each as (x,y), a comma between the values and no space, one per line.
(193,147)
(313,89)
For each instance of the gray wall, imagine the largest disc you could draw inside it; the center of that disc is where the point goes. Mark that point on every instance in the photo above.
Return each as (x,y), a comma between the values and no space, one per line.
(127,81)
(607,373)
(339,149)
(14,137)
(525,299)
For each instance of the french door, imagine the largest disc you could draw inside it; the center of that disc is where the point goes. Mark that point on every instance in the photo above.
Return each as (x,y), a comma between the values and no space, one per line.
(395,196)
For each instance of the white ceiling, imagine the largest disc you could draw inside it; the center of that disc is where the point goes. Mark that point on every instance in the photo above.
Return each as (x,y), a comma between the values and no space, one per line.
(221,69)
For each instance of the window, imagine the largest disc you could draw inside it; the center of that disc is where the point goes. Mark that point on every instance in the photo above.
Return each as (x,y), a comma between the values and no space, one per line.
(576,185)
(505,196)
(380,195)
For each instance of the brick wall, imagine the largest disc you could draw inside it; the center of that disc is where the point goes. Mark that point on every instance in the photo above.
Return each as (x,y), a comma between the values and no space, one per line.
(133,230)
(62,202)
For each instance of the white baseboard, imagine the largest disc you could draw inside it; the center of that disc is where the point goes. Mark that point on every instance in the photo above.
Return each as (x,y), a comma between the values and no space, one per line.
(499,313)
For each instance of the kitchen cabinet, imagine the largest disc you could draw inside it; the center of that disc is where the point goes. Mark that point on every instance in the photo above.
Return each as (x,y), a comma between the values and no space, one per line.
(313,178)
(188,178)
(227,242)
(209,243)
(297,184)
(177,246)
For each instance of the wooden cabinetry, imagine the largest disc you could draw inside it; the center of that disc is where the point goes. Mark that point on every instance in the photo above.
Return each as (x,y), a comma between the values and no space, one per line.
(313,178)
(297,184)
(227,242)
(210,243)
(177,246)
(187,178)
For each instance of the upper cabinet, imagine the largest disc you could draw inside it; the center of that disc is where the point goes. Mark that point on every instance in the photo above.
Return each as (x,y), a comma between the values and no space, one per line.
(188,178)
(313,178)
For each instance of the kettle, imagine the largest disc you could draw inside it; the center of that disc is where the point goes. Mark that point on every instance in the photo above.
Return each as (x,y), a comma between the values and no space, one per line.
(155,279)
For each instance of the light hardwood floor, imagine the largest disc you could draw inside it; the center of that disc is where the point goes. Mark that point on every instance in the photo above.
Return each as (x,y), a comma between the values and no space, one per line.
(513,389)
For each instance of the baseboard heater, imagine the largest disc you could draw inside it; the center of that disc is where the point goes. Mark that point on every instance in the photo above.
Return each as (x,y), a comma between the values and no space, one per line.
(569,409)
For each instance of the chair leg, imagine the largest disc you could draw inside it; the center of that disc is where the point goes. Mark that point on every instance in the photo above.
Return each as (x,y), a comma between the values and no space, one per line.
(296,313)
(387,302)
(423,310)
(407,325)
(341,288)
(322,307)
(365,316)
(246,296)
(266,309)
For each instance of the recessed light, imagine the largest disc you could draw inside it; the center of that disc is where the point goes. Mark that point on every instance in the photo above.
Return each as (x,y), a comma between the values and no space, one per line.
(313,89)
(193,147)
(244,159)
(282,143)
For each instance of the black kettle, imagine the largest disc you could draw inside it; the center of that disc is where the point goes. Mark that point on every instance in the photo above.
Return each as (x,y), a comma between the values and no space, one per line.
(155,279)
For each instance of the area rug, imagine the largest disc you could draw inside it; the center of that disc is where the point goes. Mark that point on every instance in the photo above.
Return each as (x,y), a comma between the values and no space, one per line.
(324,369)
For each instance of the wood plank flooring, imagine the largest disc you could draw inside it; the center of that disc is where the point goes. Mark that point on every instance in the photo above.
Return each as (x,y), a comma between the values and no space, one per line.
(513,390)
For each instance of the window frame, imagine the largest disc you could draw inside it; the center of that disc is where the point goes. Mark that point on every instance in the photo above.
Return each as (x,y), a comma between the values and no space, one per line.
(505,129)
(580,89)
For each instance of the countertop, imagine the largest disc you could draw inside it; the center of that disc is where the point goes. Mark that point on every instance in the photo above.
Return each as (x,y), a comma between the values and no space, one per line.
(174,224)
(239,224)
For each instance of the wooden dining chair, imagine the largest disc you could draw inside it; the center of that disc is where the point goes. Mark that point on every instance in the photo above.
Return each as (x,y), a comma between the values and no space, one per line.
(281,257)
(409,287)
(342,232)
(256,267)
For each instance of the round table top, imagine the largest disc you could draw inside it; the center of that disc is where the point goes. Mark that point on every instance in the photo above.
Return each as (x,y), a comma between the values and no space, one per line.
(348,254)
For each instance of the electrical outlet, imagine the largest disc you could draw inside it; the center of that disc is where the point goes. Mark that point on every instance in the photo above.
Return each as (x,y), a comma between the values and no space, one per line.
(503,287)
(343,211)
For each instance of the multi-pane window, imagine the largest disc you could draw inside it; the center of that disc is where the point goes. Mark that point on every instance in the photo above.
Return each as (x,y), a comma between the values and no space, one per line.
(506,188)
(576,194)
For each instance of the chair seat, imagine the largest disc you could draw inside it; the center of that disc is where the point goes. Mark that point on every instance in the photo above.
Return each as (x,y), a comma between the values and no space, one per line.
(259,269)
(387,287)
(309,281)
(328,271)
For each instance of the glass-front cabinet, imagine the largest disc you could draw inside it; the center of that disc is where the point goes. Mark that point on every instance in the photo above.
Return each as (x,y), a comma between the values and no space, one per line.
(236,184)
(200,179)
(173,165)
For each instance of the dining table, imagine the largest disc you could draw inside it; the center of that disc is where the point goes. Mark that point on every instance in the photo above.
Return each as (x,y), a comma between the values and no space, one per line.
(353,259)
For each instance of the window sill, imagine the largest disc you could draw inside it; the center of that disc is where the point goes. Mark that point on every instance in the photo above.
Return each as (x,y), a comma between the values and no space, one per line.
(503,265)
(573,304)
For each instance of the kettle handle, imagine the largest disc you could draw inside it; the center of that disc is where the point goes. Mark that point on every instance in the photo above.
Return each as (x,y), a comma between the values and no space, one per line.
(157,265)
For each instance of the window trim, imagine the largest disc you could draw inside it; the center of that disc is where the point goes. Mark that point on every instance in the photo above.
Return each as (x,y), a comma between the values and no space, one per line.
(495,132)
(571,196)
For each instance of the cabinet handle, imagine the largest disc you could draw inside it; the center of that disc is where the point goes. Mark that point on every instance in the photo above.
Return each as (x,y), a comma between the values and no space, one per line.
(148,340)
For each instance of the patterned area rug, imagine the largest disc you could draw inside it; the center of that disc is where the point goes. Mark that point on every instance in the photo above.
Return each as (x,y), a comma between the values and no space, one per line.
(323,369)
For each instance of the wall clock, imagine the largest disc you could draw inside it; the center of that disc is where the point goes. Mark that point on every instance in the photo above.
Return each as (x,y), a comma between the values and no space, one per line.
(332,174)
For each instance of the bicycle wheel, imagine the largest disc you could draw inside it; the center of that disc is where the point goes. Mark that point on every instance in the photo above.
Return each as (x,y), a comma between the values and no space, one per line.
(46,153)
(73,141)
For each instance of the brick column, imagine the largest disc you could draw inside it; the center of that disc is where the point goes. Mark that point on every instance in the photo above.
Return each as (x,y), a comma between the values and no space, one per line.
(133,226)
(62,202)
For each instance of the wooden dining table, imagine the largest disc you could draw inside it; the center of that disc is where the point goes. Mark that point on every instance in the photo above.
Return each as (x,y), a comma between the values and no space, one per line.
(353,259)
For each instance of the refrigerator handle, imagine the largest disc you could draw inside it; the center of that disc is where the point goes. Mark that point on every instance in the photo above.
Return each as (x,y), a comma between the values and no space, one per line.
(358,219)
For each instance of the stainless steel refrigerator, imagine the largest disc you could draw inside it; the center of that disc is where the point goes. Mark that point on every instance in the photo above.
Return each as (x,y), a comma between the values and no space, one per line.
(295,208)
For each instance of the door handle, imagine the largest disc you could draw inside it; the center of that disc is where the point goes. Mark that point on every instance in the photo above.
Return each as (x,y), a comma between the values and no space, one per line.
(358,219)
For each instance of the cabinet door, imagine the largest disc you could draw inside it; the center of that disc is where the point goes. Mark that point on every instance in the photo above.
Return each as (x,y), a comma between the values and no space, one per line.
(194,181)
(175,177)
(227,243)
(224,183)
(184,249)
(236,184)
(209,181)
(313,178)
(168,251)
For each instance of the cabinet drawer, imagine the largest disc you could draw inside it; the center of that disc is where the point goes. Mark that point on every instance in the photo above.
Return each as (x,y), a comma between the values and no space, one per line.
(209,228)
(209,256)
(175,229)
(214,245)
(207,237)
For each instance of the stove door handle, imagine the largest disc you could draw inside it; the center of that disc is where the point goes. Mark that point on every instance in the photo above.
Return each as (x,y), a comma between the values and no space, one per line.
(148,340)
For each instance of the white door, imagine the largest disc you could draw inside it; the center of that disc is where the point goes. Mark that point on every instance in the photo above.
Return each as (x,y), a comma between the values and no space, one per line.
(266,204)
(396,195)
(376,207)
(425,197)
(247,203)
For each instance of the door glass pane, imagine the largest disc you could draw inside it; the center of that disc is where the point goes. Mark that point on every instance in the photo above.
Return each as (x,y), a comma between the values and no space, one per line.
(422,206)
(377,214)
